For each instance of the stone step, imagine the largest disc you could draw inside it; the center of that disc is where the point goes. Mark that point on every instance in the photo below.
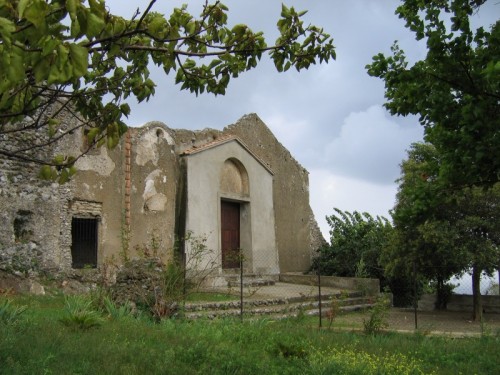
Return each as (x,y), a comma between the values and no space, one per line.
(348,299)
(233,281)
(250,283)
(271,308)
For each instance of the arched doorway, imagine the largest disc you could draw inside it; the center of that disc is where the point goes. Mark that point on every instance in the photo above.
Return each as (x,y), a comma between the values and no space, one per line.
(235,193)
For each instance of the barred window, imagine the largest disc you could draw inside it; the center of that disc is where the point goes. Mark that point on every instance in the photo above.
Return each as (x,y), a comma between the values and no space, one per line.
(84,242)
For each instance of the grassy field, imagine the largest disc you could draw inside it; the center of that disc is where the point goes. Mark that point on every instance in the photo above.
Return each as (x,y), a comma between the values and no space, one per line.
(49,337)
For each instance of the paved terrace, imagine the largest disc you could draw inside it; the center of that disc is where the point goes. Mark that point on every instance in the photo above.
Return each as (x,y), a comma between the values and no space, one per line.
(282,290)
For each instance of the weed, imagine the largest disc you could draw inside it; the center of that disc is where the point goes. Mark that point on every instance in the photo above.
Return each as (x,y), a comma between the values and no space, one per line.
(334,310)
(169,292)
(10,314)
(485,329)
(226,346)
(286,348)
(80,313)
(352,361)
(378,316)
(115,311)
(335,306)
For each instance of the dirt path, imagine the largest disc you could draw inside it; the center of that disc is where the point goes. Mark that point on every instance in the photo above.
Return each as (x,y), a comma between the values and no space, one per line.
(428,322)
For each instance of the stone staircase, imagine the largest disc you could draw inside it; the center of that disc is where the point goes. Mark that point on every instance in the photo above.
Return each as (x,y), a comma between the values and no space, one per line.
(277,308)
(249,281)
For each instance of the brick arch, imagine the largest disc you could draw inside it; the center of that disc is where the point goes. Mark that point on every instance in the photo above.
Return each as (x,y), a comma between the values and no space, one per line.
(234,178)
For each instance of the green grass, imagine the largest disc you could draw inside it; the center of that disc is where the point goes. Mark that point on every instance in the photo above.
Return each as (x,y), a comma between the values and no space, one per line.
(39,344)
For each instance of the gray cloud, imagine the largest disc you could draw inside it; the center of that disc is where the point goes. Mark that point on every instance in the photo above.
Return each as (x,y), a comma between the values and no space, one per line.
(369,146)
(330,117)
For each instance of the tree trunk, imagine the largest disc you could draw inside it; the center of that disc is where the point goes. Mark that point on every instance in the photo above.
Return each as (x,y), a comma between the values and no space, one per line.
(441,299)
(477,306)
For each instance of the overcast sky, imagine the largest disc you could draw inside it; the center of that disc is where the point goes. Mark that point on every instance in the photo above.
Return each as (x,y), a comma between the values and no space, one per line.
(330,117)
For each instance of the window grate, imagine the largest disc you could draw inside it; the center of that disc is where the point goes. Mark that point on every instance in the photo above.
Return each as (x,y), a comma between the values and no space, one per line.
(84,242)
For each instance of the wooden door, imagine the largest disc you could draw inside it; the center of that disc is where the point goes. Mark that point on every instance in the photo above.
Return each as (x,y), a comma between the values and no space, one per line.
(230,234)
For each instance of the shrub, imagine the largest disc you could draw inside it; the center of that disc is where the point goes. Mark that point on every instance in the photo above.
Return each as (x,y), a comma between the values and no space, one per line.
(378,316)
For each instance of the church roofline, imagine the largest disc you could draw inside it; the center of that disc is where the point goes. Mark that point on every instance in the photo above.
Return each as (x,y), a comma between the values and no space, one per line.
(223,140)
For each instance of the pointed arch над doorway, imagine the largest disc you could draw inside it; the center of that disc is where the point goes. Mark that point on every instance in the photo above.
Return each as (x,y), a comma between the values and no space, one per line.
(230,234)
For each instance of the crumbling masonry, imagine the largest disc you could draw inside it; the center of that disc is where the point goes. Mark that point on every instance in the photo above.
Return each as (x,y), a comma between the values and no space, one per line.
(157,185)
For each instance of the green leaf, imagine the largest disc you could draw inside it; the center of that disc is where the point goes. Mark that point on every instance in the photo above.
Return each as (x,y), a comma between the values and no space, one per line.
(41,69)
(125,109)
(92,134)
(36,13)
(21,7)
(58,159)
(71,8)
(64,176)
(45,172)
(7,27)
(79,56)
(15,69)
(157,25)
(95,25)
(52,126)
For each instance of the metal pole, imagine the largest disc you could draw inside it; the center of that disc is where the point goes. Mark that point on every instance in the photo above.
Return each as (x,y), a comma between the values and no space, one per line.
(415,302)
(241,287)
(319,296)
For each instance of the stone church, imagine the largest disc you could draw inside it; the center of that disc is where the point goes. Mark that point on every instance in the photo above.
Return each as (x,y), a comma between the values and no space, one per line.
(238,190)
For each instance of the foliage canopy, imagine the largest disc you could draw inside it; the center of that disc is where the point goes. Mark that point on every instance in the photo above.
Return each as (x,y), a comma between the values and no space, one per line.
(442,231)
(455,90)
(60,57)
(356,241)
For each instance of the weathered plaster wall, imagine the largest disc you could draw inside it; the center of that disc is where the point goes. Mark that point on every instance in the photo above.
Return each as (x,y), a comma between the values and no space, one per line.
(136,185)
(153,193)
(203,204)
(100,180)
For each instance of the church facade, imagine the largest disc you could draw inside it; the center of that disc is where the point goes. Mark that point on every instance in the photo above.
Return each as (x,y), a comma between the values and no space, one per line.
(236,193)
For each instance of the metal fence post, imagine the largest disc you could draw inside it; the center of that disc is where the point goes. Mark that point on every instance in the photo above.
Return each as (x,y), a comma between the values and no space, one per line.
(415,302)
(319,297)
(241,286)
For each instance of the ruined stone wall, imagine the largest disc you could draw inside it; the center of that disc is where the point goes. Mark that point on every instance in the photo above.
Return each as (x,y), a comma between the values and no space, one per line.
(31,210)
(134,191)
(297,233)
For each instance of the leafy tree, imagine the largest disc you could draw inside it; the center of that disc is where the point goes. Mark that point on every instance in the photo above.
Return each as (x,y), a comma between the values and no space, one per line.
(478,223)
(357,241)
(423,237)
(455,90)
(442,231)
(69,64)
